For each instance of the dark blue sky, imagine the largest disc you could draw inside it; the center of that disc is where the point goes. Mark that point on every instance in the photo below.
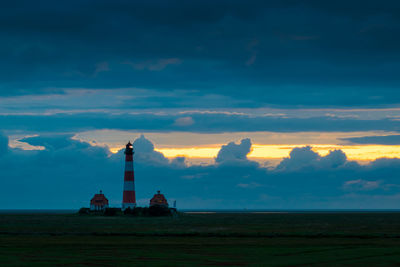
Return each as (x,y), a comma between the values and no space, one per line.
(78,77)
(279,53)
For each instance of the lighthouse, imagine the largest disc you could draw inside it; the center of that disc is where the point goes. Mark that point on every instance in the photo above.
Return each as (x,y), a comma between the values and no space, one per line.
(129,198)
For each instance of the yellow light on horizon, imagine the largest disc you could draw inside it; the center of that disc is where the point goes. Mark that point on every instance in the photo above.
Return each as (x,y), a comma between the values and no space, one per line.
(259,151)
(114,149)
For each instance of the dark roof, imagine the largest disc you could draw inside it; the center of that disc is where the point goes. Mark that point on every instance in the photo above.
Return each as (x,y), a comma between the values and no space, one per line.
(158,199)
(99,200)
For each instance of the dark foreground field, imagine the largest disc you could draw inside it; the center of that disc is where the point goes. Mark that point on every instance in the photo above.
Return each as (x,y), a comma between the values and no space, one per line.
(281,239)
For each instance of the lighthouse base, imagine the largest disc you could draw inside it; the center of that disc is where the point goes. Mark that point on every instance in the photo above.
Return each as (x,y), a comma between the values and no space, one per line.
(128,205)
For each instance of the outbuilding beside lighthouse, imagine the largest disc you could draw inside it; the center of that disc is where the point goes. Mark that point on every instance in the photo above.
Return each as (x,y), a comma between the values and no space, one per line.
(99,202)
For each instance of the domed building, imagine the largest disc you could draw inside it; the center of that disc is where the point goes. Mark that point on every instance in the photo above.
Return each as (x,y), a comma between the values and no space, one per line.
(99,202)
(159,200)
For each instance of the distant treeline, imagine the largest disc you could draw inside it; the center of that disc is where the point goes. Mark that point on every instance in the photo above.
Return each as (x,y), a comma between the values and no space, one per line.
(138,211)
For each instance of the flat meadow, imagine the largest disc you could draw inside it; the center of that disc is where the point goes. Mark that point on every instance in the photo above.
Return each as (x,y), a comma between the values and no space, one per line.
(215,239)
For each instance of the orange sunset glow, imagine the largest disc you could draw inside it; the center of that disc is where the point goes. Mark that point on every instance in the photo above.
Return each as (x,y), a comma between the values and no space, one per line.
(263,151)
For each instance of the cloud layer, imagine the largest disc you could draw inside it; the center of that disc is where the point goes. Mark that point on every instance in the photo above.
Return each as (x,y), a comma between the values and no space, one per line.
(208,122)
(282,53)
(379,140)
(68,172)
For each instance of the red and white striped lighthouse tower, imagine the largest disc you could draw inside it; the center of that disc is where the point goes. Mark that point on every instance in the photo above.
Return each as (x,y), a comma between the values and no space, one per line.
(129,198)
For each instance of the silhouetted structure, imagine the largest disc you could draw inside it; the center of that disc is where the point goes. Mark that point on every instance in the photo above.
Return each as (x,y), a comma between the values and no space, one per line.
(129,198)
(99,202)
(158,200)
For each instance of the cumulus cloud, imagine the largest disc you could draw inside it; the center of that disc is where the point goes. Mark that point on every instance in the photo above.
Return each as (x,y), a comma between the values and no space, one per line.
(334,159)
(68,172)
(178,162)
(298,158)
(54,142)
(59,176)
(234,152)
(305,157)
(145,153)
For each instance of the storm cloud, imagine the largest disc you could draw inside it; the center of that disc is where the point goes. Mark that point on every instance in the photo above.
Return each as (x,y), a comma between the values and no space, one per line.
(281,53)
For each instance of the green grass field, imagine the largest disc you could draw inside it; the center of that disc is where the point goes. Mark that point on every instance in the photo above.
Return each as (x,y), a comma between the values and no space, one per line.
(222,239)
